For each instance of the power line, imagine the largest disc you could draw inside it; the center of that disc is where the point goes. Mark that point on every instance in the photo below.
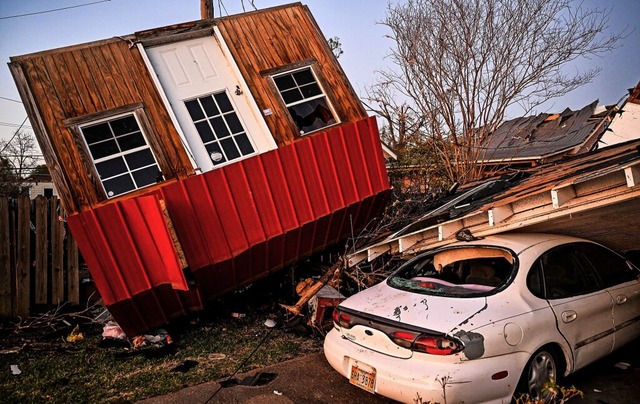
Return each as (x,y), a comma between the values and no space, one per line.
(53,10)
(11,99)
(15,125)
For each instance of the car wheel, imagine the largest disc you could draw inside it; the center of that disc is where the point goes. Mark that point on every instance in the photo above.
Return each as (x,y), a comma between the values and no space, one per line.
(541,368)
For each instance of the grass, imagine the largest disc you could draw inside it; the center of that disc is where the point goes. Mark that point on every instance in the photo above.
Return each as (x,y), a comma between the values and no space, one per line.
(54,370)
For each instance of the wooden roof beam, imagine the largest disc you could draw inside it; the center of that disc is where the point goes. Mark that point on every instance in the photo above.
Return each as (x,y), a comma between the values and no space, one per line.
(562,195)
(632,175)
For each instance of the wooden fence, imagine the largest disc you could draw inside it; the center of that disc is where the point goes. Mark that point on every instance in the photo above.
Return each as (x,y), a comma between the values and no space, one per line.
(38,256)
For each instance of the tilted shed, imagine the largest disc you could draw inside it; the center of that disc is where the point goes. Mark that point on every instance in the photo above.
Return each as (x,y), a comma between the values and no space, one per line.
(196,158)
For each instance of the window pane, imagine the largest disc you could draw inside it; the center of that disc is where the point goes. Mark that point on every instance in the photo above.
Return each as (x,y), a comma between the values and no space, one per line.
(146,176)
(194,110)
(284,82)
(205,132)
(131,141)
(209,106)
(104,149)
(244,144)
(230,149)
(565,275)
(291,96)
(310,90)
(118,185)
(234,123)
(304,77)
(220,128)
(223,102)
(140,159)
(97,133)
(611,268)
(215,148)
(312,115)
(124,125)
(111,167)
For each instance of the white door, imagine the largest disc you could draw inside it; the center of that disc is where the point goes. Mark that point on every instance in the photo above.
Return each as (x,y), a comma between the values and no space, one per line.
(218,119)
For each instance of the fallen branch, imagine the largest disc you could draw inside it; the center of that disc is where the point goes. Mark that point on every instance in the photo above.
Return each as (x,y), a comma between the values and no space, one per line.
(311,290)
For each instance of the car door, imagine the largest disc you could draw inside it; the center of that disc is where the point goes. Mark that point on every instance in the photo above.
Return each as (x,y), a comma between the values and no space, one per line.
(622,281)
(583,309)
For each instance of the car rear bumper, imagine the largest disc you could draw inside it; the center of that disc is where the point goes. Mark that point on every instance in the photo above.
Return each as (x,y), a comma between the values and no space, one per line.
(417,380)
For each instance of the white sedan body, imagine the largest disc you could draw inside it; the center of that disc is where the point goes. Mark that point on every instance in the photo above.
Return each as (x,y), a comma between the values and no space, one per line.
(485,336)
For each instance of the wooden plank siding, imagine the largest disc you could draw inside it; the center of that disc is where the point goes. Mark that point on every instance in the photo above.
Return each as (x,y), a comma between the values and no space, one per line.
(73,82)
(262,41)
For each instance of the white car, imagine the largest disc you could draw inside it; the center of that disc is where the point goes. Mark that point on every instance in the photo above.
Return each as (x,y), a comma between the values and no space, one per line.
(473,321)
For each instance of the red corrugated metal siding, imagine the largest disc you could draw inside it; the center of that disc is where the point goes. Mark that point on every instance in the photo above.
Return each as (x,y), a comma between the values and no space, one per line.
(235,224)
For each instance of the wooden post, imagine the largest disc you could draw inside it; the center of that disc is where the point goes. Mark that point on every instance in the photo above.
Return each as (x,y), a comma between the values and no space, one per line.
(73,270)
(23,262)
(57,250)
(41,251)
(5,260)
(206,9)
(307,293)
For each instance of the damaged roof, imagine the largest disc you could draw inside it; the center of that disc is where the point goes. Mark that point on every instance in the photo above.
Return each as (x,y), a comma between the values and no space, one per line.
(594,195)
(545,135)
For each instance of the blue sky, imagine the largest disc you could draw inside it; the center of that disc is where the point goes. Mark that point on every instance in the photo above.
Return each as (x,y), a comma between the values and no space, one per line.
(354,21)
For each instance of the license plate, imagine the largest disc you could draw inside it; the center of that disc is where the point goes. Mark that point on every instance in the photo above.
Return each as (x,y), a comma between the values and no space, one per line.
(362,378)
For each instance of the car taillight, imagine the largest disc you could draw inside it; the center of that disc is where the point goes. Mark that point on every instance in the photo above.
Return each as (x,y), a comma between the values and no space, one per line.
(431,344)
(341,319)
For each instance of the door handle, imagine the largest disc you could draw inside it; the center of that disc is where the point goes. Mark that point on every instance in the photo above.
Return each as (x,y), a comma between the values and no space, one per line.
(621,299)
(569,316)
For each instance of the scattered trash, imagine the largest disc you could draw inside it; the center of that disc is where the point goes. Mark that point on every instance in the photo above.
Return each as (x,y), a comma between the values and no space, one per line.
(75,335)
(113,330)
(185,366)
(15,370)
(597,391)
(276,392)
(622,365)
(270,323)
(238,315)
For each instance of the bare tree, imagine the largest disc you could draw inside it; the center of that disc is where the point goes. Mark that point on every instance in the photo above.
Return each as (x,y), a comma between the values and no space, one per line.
(461,63)
(18,157)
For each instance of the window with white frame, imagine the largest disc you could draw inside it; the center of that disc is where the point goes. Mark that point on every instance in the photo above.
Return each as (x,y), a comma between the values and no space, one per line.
(306,102)
(121,154)
(219,127)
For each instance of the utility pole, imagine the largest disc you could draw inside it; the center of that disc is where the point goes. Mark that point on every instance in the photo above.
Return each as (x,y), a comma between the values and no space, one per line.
(206,9)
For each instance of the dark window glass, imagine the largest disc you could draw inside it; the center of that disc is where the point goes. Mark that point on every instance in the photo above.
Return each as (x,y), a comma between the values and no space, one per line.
(194,110)
(284,82)
(230,149)
(220,128)
(104,149)
(304,77)
(566,273)
(290,96)
(534,280)
(139,159)
(611,268)
(97,133)
(312,115)
(132,141)
(223,102)
(146,176)
(112,167)
(125,125)
(209,106)
(244,144)
(118,185)
(205,132)
(310,90)
(234,123)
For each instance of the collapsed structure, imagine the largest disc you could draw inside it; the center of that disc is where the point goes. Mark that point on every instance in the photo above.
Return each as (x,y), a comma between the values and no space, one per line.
(196,158)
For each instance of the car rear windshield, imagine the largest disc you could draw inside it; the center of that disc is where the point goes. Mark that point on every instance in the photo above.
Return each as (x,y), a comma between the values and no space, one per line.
(465,271)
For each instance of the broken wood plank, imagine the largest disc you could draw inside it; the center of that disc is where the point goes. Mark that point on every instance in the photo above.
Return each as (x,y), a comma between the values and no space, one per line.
(310,291)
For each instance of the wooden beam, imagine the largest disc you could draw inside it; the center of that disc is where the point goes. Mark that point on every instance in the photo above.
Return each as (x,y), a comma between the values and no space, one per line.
(406,242)
(499,214)
(562,195)
(445,230)
(632,175)
(206,9)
